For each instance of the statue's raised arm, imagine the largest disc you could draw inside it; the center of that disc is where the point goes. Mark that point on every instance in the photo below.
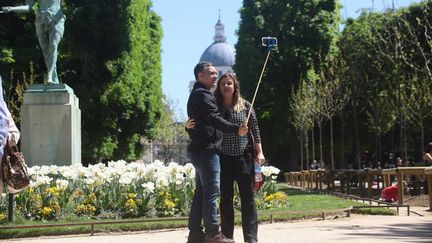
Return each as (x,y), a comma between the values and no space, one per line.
(49,29)
(19,9)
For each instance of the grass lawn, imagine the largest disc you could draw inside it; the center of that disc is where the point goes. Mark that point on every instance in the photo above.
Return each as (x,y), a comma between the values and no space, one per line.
(301,205)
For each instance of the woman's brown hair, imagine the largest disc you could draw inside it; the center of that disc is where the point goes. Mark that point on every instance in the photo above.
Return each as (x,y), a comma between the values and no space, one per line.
(238,102)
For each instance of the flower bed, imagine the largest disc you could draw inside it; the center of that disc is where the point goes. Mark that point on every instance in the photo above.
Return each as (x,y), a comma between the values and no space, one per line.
(118,190)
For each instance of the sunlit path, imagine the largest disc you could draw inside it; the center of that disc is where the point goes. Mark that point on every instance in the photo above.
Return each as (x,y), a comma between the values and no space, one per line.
(354,229)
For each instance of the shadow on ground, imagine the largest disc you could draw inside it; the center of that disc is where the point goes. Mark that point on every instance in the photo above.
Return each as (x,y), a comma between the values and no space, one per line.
(410,232)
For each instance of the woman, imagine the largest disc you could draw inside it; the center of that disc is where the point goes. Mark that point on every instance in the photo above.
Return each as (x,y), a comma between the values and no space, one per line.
(427,156)
(237,158)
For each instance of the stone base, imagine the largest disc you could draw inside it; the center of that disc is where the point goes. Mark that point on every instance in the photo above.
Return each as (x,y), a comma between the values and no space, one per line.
(51,125)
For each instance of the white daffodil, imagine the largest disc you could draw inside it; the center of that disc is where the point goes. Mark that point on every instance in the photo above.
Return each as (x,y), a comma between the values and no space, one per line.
(62,184)
(149,187)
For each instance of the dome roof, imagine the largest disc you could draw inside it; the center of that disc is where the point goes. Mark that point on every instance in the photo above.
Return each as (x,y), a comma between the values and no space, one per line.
(219,54)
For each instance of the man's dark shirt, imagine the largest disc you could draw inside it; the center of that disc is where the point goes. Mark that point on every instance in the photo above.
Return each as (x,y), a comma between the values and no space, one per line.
(207,135)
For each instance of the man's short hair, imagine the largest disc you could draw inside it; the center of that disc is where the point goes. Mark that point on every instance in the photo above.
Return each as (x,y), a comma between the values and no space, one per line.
(200,67)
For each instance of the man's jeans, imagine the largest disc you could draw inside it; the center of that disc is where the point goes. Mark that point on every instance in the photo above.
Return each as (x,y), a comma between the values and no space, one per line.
(204,204)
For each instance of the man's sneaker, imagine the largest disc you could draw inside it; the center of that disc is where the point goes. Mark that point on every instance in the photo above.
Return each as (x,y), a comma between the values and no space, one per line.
(218,238)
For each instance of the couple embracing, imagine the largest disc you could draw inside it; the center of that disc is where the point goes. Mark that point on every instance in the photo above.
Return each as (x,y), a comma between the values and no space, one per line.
(221,156)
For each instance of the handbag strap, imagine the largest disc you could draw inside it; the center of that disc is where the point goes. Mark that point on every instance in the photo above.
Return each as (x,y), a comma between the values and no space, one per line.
(10,147)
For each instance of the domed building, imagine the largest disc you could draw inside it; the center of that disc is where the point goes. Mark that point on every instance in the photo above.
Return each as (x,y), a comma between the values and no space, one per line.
(220,53)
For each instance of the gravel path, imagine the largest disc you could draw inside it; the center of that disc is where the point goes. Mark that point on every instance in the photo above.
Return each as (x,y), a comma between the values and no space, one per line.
(357,228)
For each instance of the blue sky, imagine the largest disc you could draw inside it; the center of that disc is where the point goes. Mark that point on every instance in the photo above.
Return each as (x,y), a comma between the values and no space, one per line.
(188,28)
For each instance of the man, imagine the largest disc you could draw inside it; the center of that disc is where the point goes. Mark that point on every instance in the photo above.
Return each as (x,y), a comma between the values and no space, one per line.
(206,143)
(49,29)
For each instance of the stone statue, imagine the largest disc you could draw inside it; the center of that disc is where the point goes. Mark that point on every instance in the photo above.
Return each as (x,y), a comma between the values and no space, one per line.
(49,29)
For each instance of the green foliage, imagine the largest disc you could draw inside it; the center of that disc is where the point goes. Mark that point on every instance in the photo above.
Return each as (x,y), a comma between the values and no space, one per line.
(14,91)
(170,135)
(113,65)
(387,74)
(118,81)
(306,30)
(21,59)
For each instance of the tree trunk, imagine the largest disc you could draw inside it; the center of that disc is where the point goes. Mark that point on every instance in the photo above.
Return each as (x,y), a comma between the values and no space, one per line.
(331,145)
(320,144)
(343,143)
(405,138)
(301,150)
(313,146)
(421,137)
(401,136)
(357,141)
(307,149)
(377,146)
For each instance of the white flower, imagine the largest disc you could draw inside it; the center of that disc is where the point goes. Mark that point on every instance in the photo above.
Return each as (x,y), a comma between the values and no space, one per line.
(126,178)
(42,180)
(69,172)
(44,170)
(149,187)
(269,170)
(161,181)
(189,170)
(89,181)
(62,184)
(53,169)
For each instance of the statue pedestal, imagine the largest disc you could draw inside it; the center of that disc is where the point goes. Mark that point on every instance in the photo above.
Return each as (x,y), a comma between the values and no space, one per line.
(51,125)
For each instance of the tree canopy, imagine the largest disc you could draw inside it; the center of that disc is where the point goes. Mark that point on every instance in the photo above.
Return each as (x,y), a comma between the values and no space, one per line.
(110,55)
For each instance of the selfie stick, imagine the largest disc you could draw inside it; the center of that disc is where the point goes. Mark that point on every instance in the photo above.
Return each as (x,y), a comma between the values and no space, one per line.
(270,42)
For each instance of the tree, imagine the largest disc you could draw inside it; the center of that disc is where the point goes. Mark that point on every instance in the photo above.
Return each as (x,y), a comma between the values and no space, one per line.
(170,136)
(301,106)
(305,30)
(114,67)
(332,95)
(21,60)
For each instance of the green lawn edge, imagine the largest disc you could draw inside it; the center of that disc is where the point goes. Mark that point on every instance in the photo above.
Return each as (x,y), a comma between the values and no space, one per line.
(303,205)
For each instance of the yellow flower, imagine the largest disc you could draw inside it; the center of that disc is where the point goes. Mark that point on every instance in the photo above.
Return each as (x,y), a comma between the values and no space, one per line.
(86,209)
(168,204)
(92,197)
(132,195)
(46,211)
(53,191)
(77,193)
(130,203)
(278,197)
(56,206)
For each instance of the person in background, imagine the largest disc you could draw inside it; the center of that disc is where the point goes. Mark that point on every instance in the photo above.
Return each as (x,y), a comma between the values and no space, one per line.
(14,134)
(390,193)
(4,126)
(315,165)
(398,162)
(427,156)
